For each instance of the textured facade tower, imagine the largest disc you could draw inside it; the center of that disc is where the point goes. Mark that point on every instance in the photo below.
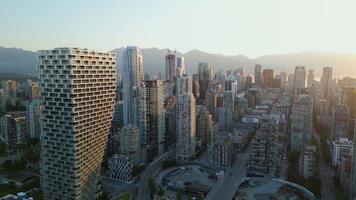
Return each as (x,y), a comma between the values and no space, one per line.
(77,99)
(152,118)
(132,78)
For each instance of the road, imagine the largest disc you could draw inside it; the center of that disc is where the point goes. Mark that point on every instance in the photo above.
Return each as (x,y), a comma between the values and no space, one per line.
(227,186)
(326,175)
(152,168)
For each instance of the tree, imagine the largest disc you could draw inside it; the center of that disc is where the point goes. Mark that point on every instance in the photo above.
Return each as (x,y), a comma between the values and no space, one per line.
(7,164)
(160,191)
(179,195)
(152,184)
(200,197)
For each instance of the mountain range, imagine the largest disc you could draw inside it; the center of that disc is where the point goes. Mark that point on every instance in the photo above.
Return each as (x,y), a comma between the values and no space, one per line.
(15,60)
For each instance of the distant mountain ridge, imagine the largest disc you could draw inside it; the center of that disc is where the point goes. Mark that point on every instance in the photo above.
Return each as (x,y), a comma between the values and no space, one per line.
(15,60)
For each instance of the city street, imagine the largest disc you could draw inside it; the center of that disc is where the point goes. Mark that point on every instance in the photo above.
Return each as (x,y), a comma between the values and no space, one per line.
(227,186)
(151,169)
(326,175)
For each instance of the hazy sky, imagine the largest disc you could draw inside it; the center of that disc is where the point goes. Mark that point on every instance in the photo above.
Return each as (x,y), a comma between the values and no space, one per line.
(250,27)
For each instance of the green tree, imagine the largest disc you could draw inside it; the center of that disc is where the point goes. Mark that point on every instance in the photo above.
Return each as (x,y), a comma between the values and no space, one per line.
(160,191)
(152,184)
(179,195)
(7,164)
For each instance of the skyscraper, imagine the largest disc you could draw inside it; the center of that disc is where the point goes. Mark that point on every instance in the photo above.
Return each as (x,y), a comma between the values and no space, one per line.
(283,76)
(258,75)
(302,122)
(132,77)
(130,143)
(180,66)
(185,126)
(204,124)
(299,81)
(77,100)
(340,122)
(353,169)
(326,82)
(267,77)
(310,79)
(152,118)
(15,132)
(33,110)
(205,72)
(170,66)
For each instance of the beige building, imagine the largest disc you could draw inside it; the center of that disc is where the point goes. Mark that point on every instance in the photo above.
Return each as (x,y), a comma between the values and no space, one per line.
(77,100)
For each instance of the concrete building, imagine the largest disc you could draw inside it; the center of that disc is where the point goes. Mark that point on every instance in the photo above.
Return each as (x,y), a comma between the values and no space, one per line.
(267,77)
(258,75)
(220,151)
(204,124)
(340,148)
(307,161)
(33,110)
(302,122)
(180,66)
(205,72)
(14,130)
(326,82)
(353,170)
(310,79)
(340,117)
(170,66)
(291,82)
(77,102)
(300,75)
(130,143)
(185,126)
(118,117)
(132,78)
(151,118)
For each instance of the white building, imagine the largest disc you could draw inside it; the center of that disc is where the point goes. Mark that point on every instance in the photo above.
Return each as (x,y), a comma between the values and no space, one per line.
(341,147)
(307,161)
(120,168)
(185,126)
(33,110)
(77,100)
(132,77)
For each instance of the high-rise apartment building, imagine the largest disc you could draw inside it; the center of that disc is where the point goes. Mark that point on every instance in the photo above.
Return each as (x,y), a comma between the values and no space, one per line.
(185,126)
(180,66)
(310,79)
(151,118)
(33,110)
(258,75)
(204,124)
(130,143)
(267,77)
(170,66)
(132,78)
(340,116)
(14,128)
(205,72)
(353,170)
(77,101)
(299,81)
(326,82)
(302,122)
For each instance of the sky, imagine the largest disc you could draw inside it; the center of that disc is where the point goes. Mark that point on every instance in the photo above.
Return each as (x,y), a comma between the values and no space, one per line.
(230,27)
